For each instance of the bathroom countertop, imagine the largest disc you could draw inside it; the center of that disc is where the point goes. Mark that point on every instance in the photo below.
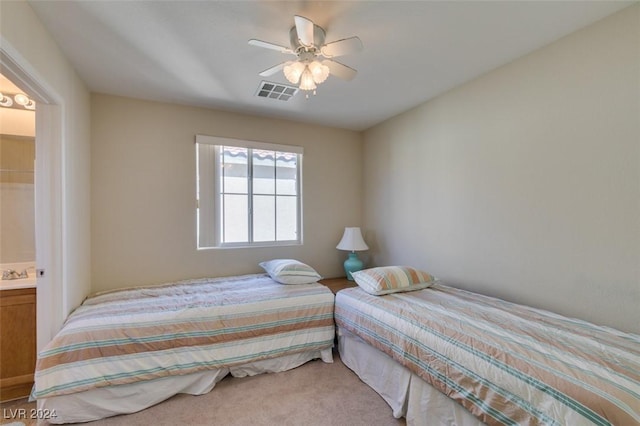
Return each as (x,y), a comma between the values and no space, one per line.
(20,267)
(17,284)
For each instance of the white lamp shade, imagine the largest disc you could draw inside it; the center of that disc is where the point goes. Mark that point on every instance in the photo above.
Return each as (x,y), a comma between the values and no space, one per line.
(293,71)
(319,71)
(352,240)
(306,80)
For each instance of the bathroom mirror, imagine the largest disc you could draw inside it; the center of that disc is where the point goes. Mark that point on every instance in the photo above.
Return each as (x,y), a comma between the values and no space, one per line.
(17,199)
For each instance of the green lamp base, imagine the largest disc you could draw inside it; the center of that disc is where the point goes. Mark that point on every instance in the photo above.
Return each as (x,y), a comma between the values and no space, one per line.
(352,264)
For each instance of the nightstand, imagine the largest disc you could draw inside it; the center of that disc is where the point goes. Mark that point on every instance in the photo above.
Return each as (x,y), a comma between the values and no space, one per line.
(337,284)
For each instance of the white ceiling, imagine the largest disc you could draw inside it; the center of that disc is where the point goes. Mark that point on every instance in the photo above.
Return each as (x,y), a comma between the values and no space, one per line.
(196,53)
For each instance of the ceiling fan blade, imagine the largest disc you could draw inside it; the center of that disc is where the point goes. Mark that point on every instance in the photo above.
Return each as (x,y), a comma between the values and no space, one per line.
(267,45)
(271,71)
(342,47)
(304,28)
(340,70)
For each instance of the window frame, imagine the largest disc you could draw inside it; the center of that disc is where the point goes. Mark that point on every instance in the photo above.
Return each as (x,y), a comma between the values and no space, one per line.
(209,215)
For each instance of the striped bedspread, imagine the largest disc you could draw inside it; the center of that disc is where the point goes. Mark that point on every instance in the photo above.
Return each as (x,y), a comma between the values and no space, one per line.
(505,363)
(126,336)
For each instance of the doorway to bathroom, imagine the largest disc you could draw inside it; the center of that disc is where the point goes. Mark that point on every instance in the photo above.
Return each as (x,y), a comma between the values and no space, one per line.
(17,186)
(17,241)
(49,191)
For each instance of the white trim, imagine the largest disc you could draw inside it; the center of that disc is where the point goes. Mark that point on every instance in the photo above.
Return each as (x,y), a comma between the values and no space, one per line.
(206,211)
(49,224)
(259,244)
(18,70)
(241,143)
(50,311)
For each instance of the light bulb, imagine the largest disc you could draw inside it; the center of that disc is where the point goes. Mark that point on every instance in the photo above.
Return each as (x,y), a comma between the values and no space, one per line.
(21,99)
(5,101)
(31,105)
(293,71)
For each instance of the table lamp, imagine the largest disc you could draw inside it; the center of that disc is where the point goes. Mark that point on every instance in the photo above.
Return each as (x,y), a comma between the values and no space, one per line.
(352,241)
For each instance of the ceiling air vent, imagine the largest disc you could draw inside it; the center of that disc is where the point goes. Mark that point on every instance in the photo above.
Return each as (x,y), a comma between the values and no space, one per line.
(279,91)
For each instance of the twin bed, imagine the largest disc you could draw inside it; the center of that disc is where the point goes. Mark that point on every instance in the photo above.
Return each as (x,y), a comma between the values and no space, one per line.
(437,355)
(447,356)
(123,351)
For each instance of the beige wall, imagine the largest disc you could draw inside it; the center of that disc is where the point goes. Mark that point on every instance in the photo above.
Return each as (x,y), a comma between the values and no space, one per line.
(143,192)
(17,122)
(524,183)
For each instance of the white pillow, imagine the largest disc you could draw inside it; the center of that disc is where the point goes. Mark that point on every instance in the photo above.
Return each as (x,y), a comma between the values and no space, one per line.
(290,271)
(392,279)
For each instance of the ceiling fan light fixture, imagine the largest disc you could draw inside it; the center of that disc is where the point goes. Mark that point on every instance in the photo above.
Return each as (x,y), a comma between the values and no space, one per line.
(293,71)
(308,44)
(309,75)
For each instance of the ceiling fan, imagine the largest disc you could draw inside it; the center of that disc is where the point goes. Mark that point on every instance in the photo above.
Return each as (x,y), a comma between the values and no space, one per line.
(314,61)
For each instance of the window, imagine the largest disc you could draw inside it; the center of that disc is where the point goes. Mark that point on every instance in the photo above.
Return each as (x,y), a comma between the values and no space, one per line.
(249,193)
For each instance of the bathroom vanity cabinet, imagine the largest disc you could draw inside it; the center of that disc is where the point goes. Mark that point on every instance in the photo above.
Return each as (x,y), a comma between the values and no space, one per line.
(17,342)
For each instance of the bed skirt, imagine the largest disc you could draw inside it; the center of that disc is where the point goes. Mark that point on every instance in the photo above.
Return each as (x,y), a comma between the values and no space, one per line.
(110,401)
(407,394)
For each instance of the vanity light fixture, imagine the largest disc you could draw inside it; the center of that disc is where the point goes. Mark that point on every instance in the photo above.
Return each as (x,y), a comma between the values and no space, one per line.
(17,101)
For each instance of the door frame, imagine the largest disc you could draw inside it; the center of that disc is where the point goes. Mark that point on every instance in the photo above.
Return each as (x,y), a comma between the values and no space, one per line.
(49,190)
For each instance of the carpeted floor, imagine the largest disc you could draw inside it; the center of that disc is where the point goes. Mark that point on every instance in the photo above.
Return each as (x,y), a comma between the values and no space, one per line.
(312,394)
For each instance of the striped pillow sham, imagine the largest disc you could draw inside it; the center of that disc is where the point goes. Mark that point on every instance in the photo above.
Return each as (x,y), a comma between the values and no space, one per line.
(392,279)
(290,271)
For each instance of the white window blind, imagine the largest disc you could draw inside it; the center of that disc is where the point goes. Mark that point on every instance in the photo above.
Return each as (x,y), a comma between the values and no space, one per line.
(249,193)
